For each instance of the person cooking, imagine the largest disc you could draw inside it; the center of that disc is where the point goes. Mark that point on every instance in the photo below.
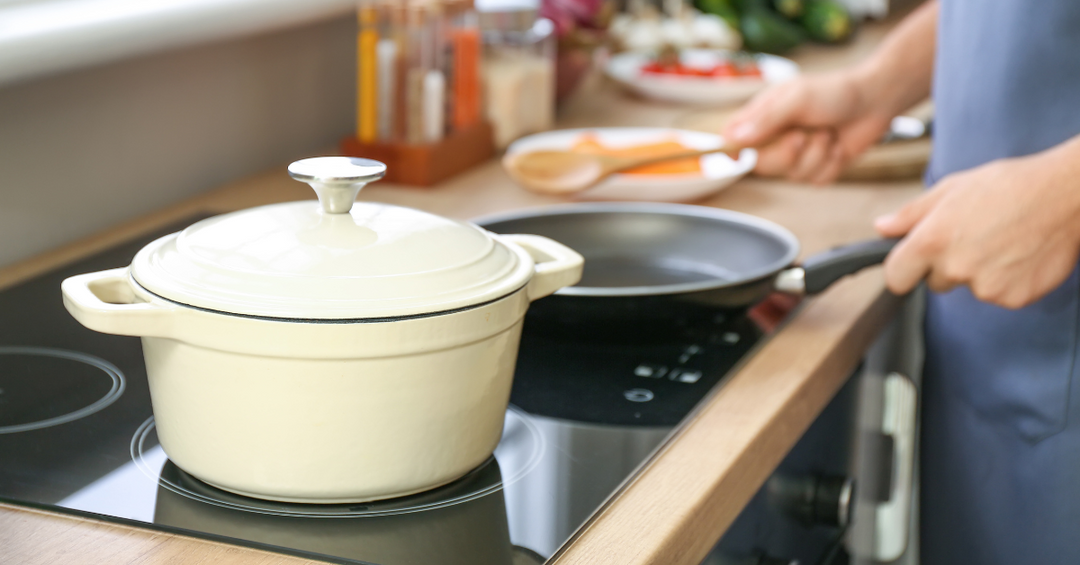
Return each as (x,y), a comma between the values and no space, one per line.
(997,239)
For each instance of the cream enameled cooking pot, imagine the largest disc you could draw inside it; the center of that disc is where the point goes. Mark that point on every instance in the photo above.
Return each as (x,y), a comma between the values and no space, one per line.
(331,351)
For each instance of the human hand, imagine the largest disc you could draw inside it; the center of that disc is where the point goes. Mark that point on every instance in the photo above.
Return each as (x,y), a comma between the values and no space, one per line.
(811,127)
(1009,230)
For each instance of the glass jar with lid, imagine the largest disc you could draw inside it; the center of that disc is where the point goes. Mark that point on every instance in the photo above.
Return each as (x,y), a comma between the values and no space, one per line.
(518,68)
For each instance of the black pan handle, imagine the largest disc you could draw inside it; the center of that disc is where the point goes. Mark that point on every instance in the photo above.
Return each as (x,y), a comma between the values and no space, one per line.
(823,269)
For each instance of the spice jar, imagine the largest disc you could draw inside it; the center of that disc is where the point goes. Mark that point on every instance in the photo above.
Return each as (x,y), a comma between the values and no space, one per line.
(518,69)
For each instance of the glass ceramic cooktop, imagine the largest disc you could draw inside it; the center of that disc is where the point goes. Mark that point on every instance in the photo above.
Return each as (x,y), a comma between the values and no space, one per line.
(77,435)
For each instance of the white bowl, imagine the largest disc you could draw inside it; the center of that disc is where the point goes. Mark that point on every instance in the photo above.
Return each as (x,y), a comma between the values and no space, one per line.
(626,67)
(717,170)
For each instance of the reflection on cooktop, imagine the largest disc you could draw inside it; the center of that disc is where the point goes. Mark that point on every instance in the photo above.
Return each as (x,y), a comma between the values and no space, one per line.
(471,530)
(522,444)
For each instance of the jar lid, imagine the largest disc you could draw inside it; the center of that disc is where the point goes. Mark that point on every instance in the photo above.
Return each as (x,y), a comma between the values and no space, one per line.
(331,259)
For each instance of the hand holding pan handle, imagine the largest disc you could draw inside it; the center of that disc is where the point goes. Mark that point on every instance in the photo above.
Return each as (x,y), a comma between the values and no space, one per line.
(819,272)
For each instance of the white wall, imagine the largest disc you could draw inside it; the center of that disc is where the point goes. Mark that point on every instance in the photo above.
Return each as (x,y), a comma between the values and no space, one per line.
(90,148)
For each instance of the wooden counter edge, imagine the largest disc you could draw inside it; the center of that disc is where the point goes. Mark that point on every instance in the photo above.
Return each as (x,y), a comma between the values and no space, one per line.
(27,269)
(31,536)
(675,509)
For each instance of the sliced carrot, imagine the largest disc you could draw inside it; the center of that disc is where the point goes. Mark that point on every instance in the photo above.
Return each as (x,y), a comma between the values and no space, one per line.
(589,144)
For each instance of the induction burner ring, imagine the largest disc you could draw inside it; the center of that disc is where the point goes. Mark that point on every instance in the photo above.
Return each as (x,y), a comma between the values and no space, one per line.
(116,390)
(470,487)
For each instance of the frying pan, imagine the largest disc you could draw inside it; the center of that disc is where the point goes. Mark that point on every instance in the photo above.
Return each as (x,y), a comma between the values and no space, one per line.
(662,263)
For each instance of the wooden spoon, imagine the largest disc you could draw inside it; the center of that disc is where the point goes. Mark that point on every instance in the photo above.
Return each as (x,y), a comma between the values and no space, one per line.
(566,172)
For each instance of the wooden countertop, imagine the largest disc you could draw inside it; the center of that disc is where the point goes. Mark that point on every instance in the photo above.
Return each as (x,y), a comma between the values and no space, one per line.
(677,505)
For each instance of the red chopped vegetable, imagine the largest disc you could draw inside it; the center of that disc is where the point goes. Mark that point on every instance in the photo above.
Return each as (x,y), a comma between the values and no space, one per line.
(725,69)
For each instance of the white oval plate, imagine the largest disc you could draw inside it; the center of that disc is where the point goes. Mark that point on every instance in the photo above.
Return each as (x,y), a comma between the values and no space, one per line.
(626,67)
(717,171)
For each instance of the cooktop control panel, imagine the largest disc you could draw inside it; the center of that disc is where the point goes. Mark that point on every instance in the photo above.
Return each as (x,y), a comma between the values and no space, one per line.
(649,382)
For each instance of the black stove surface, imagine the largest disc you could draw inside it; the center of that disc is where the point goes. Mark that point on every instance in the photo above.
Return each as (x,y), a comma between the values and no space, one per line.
(646,382)
(77,434)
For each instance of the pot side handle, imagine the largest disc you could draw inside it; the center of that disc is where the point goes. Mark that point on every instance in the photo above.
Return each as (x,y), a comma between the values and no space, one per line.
(104,302)
(557,266)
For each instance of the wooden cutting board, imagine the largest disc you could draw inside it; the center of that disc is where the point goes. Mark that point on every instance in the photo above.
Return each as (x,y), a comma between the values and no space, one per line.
(896,161)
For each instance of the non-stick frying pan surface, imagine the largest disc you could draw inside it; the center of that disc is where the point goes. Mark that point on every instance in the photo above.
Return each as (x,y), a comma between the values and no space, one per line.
(657,266)
(652,268)
(657,249)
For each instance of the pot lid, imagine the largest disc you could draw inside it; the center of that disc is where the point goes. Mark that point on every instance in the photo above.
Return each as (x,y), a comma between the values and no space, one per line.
(331,259)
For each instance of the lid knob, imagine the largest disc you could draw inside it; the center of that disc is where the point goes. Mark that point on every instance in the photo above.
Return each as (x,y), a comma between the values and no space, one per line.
(337,180)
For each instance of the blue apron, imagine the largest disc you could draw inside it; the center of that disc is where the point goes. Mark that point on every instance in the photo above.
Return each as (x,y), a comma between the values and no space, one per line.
(1001,405)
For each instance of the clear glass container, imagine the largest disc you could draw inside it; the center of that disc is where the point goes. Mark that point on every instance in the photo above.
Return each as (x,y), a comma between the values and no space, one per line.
(518,70)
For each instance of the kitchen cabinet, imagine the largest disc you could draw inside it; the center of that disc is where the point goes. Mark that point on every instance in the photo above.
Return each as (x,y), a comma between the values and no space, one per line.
(676,506)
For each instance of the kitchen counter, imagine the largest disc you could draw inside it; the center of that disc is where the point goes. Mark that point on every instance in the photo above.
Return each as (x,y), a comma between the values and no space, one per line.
(681,500)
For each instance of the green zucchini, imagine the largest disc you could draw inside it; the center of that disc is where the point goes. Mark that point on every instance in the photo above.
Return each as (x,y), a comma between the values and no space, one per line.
(790,9)
(747,5)
(766,31)
(723,8)
(827,21)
